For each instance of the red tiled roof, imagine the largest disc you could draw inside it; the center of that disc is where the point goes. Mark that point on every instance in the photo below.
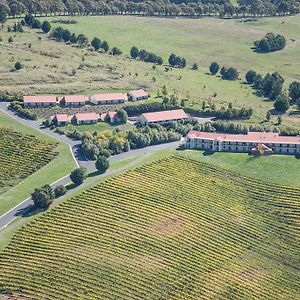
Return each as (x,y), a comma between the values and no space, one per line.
(75,98)
(165,115)
(251,137)
(138,93)
(87,116)
(108,97)
(39,99)
(62,118)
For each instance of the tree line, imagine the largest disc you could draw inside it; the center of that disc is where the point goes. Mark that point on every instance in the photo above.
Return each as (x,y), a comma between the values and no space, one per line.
(145,56)
(220,8)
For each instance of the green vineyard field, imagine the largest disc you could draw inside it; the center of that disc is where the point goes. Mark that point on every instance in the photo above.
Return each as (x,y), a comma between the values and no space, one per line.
(171,229)
(21,155)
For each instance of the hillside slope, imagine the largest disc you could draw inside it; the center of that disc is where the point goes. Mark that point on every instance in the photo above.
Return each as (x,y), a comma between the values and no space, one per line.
(173,229)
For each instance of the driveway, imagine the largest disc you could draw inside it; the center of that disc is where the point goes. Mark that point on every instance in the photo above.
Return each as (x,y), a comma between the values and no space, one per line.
(21,208)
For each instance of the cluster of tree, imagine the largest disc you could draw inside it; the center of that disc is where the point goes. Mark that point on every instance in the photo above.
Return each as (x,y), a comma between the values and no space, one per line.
(145,56)
(229,113)
(65,35)
(270,43)
(18,27)
(22,112)
(234,128)
(42,197)
(106,143)
(97,44)
(177,61)
(226,73)
(221,8)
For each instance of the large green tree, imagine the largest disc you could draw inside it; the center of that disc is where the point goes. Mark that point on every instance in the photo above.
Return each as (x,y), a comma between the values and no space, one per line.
(78,175)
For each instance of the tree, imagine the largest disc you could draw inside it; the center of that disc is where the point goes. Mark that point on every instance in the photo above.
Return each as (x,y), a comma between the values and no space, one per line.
(96,43)
(78,175)
(250,75)
(159,60)
(18,66)
(57,33)
(172,59)
(214,68)
(294,91)
(268,116)
(122,116)
(60,191)
(282,103)
(10,39)
(66,35)
(102,164)
(43,197)
(230,74)
(36,24)
(279,120)
(73,38)
(82,40)
(46,27)
(116,51)
(4,11)
(105,46)
(29,18)
(195,66)
(271,85)
(134,52)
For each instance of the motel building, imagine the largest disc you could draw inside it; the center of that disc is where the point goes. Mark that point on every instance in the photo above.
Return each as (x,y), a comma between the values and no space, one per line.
(39,101)
(162,117)
(61,119)
(86,118)
(137,95)
(269,141)
(113,98)
(74,100)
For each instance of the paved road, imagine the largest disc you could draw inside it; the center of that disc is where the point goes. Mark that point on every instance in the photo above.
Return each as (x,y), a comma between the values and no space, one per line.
(25,206)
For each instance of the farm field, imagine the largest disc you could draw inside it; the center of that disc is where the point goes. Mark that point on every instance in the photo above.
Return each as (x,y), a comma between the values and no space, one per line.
(54,67)
(152,234)
(21,156)
(60,165)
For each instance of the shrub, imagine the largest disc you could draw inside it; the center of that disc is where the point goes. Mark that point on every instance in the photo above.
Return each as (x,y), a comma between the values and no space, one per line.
(18,66)
(43,197)
(46,27)
(78,175)
(214,68)
(250,75)
(60,191)
(282,103)
(102,164)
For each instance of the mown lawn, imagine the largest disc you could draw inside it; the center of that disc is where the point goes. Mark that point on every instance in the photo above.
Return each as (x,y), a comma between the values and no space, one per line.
(62,165)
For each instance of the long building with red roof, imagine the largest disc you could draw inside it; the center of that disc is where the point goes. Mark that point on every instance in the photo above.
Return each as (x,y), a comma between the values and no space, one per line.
(111,98)
(86,118)
(74,100)
(274,142)
(39,101)
(162,116)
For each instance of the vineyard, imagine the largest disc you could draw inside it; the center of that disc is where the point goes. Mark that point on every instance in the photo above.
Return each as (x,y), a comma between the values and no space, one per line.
(172,229)
(21,155)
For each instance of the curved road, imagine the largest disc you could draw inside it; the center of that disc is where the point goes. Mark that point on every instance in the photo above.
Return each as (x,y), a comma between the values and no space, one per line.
(24,206)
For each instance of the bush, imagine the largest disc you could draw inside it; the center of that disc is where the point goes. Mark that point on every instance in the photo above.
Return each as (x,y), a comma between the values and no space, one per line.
(282,103)
(18,66)
(46,27)
(43,197)
(270,43)
(78,175)
(230,74)
(102,164)
(116,51)
(250,75)
(214,68)
(60,191)
(10,39)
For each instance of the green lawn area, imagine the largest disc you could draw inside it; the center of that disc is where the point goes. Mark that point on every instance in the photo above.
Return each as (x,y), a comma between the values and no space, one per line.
(281,169)
(57,168)
(100,126)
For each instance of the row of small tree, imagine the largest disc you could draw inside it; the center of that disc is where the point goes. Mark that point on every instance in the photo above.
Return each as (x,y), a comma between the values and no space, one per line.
(145,56)
(31,21)
(44,196)
(226,73)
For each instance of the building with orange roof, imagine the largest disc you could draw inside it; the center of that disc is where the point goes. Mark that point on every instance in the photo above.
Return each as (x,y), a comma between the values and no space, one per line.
(162,116)
(39,101)
(74,100)
(108,99)
(86,118)
(137,95)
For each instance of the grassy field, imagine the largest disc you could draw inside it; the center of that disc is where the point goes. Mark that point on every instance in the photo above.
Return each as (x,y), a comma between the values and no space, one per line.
(48,65)
(152,234)
(57,168)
